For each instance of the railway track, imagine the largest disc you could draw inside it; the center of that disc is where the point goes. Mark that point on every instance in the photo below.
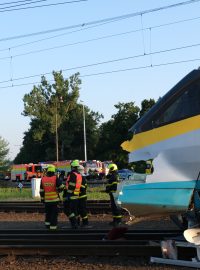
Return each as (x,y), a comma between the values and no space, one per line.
(83,242)
(93,206)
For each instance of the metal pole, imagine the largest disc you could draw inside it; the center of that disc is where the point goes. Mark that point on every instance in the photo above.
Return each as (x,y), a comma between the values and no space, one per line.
(56,134)
(84,131)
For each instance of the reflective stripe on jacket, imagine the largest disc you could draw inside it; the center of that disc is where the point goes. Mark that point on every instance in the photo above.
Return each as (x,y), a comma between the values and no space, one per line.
(73,183)
(50,191)
(113,179)
(83,189)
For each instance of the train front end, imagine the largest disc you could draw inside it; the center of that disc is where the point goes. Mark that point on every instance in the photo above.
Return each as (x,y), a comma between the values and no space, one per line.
(168,134)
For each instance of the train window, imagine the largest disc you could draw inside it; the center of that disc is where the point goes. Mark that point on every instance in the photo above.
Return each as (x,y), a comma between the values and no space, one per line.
(184,106)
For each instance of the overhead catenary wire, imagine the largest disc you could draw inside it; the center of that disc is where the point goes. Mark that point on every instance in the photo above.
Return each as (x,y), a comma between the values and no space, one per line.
(41,6)
(68,44)
(108,61)
(89,40)
(43,39)
(22,4)
(15,2)
(141,67)
(112,71)
(100,63)
(110,19)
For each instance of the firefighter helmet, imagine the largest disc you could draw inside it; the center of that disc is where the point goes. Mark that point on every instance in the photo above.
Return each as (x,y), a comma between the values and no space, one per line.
(112,167)
(75,163)
(51,168)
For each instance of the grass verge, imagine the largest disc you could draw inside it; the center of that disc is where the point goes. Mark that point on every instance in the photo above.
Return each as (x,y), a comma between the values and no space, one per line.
(15,194)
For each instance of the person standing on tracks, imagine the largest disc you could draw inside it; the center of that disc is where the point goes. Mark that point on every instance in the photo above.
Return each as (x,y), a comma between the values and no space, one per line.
(71,194)
(50,188)
(111,187)
(82,201)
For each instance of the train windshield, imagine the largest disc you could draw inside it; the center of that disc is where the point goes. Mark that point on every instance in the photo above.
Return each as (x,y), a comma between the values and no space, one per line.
(186,105)
(181,102)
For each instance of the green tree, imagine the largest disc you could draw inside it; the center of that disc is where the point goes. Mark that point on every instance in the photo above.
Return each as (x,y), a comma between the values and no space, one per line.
(4,150)
(35,150)
(73,133)
(49,105)
(71,142)
(146,105)
(114,132)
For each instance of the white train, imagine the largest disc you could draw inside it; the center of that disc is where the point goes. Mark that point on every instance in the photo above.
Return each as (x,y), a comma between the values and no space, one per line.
(169,133)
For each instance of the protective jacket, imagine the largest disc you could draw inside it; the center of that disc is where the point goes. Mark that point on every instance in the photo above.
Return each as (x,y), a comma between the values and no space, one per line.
(50,188)
(83,189)
(149,167)
(73,184)
(113,179)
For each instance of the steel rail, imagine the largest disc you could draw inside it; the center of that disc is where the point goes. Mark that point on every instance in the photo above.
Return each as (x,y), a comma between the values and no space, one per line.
(83,230)
(83,242)
(34,202)
(96,207)
(87,234)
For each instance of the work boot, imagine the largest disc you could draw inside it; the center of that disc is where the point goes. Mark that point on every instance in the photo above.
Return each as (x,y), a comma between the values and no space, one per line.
(85,221)
(53,228)
(78,221)
(85,224)
(74,224)
(115,222)
(47,225)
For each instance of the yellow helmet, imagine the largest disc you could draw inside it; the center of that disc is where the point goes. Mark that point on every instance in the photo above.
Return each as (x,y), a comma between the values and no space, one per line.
(51,168)
(75,163)
(112,167)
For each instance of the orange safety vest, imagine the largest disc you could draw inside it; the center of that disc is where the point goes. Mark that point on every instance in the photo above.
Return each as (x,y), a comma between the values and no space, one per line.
(77,185)
(50,192)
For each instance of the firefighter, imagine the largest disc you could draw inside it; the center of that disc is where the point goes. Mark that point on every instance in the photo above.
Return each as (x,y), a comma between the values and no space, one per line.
(71,194)
(111,187)
(149,167)
(82,201)
(49,191)
(61,175)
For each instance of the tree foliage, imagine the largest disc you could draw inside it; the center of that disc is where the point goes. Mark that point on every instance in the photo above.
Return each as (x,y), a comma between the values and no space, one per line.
(51,106)
(56,105)
(146,105)
(72,141)
(4,150)
(114,132)
(50,103)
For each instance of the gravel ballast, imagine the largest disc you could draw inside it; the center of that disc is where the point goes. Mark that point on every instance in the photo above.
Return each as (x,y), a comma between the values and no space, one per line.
(36,221)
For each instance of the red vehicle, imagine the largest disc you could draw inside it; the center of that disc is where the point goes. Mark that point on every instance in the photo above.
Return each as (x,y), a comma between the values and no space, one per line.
(24,172)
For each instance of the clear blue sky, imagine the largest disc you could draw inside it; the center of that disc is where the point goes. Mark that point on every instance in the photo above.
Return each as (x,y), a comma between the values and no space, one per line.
(100,93)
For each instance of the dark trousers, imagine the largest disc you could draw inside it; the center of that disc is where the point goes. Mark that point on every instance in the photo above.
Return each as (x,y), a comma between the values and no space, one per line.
(51,214)
(70,207)
(71,210)
(82,210)
(116,210)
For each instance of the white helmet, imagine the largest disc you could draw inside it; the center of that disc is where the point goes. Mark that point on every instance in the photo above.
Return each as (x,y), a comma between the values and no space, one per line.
(81,169)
